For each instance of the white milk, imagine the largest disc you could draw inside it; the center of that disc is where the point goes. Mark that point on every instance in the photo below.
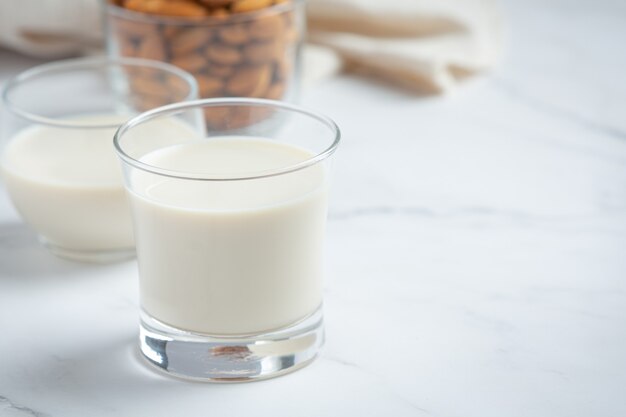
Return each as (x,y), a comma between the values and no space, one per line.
(231,257)
(67,184)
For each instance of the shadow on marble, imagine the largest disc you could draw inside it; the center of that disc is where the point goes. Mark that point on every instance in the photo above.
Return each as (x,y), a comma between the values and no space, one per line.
(22,256)
(104,372)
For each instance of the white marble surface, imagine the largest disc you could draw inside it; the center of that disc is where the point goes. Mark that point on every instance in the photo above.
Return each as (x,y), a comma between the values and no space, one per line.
(476,256)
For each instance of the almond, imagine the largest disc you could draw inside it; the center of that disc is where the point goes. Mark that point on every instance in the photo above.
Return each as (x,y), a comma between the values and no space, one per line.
(260,52)
(177,88)
(275,91)
(221,71)
(242,6)
(263,82)
(220,13)
(283,68)
(250,81)
(132,29)
(217,3)
(181,8)
(234,34)
(190,62)
(209,86)
(267,27)
(224,54)
(127,46)
(217,117)
(246,116)
(140,85)
(170,31)
(151,47)
(189,39)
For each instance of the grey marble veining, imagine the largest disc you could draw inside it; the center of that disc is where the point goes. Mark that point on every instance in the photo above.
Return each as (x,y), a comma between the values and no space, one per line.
(9,409)
(475,259)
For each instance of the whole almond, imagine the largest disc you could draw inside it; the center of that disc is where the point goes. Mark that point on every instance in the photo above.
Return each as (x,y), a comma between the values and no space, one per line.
(263,82)
(220,71)
(126,46)
(177,88)
(142,85)
(209,86)
(189,39)
(217,117)
(220,13)
(250,81)
(223,54)
(267,27)
(242,6)
(275,91)
(133,29)
(240,117)
(151,47)
(245,116)
(233,34)
(190,62)
(260,52)
(170,31)
(181,8)
(217,3)
(282,68)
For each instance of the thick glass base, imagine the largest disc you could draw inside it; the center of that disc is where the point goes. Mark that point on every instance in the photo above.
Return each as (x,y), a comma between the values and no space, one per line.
(231,358)
(89,256)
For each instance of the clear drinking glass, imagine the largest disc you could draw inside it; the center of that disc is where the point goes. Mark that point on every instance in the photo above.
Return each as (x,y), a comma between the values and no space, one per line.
(58,162)
(230,225)
(253,54)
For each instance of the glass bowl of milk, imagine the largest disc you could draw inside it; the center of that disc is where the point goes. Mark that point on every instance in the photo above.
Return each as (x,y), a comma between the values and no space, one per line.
(229,226)
(58,163)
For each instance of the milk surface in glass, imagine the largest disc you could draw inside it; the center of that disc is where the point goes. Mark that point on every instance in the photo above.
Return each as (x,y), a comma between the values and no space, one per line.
(230,257)
(66,182)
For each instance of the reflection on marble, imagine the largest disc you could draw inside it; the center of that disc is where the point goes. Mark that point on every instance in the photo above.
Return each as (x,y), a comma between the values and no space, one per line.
(475,256)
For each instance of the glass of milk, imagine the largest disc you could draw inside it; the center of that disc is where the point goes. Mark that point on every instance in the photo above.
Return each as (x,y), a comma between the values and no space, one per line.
(229,226)
(58,163)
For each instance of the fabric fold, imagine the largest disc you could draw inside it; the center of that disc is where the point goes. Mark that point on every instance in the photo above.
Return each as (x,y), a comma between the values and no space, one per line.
(423,45)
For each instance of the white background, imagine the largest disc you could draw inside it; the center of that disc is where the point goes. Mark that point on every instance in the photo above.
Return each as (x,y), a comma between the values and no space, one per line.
(476,255)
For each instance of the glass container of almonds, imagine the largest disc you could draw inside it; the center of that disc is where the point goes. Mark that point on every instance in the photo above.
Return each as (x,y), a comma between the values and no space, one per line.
(242,48)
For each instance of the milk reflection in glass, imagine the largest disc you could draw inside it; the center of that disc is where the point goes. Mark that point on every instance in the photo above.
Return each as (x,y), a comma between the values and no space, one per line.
(229,257)
(67,184)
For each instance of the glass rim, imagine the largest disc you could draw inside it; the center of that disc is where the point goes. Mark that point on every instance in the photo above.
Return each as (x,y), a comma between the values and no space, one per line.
(177,108)
(123,12)
(84,63)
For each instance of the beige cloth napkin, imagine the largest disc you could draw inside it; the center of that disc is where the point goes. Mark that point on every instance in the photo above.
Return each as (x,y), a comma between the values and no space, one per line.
(425,45)
(50,28)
